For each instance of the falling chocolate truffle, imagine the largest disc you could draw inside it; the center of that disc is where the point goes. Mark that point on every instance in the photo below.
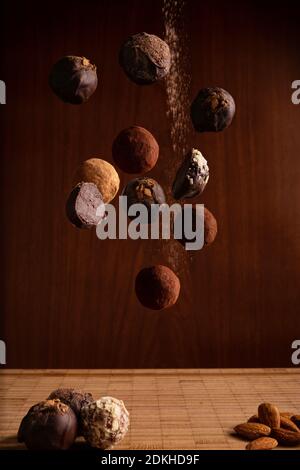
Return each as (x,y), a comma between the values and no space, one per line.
(157,287)
(145,58)
(212,110)
(104,422)
(49,425)
(73,79)
(135,150)
(144,191)
(210,227)
(84,207)
(191,177)
(102,174)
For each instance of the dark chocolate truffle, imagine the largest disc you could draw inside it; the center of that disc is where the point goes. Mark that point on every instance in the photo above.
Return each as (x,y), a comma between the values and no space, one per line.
(157,287)
(210,227)
(144,191)
(84,207)
(75,399)
(135,150)
(212,110)
(145,58)
(192,176)
(49,425)
(73,79)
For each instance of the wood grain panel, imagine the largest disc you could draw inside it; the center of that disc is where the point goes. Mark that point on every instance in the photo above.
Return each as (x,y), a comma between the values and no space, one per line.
(68,298)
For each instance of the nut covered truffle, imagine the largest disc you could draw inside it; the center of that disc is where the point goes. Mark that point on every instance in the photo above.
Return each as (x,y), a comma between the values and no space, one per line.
(144,191)
(145,58)
(104,422)
(84,207)
(49,425)
(212,110)
(75,399)
(73,79)
(135,150)
(157,287)
(191,177)
(102,174)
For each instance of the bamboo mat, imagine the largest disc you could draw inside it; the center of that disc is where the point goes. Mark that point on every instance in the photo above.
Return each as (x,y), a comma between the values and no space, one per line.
(169,409)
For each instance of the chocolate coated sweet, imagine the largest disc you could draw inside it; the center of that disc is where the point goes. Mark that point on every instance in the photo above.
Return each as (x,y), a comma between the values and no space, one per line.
(212,110)
(210,228)
(145,58)
(75,399)
(73,79)
(157,287)
(84,207)
(135,150)
(104,422)
(192,176)
(49,425)
(144,191)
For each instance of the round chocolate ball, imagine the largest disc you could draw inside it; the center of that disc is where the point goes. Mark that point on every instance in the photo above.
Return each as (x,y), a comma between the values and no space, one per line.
(210,227)
(102,174)
(144,191)
(49,425)
(104,422)
(84,207)
(73,79)
(157,287)
(212,110)
(135,150)
(145,58)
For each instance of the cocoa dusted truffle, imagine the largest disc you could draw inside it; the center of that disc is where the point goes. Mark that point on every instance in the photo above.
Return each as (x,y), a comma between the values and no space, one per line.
(210,227)
(102,174)
(145,58)
(104,422)
(212,110)
(145,191)
(157,287)
(192,176)
(135,150)
(73,79)
(84,207)
(49,425)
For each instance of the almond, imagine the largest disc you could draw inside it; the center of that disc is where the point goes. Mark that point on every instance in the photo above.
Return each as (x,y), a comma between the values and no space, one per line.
(296,420)
(254,419)
(252,431)
(269,415)
(286,423)
(262,443)
(286,437)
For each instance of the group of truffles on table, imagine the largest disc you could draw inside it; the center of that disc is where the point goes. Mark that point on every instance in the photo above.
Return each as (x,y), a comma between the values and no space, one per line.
(55,423)
(145,59)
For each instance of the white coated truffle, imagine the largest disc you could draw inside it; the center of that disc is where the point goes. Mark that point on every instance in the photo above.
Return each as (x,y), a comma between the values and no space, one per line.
(104,422)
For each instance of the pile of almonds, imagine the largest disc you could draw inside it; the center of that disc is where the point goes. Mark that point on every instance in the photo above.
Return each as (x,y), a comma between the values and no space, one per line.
(270,427)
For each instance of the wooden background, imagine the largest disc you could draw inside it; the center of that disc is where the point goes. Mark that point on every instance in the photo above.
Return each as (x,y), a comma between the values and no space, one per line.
(67,297)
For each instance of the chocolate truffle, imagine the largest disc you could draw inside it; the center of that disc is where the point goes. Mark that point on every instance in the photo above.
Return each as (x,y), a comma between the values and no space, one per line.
(192,176)
(49,425)
(104,422)
(102,174)
(157,287)
(75,399)
(84,207)
(73,79)
(210,227)
(145,58)
(144,191)
(135,150)
(212,110)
